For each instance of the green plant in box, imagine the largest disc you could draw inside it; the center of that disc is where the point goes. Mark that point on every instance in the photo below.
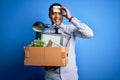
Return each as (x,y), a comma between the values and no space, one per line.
(37,43)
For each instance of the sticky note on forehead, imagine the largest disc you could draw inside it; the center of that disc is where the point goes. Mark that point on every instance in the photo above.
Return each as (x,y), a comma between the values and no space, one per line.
(56,8)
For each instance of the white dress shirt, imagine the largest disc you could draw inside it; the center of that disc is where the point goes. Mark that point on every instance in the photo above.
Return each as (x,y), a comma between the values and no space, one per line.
(69,32)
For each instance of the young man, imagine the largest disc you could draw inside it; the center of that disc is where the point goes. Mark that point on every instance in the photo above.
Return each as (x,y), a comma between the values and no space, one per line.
(69,32)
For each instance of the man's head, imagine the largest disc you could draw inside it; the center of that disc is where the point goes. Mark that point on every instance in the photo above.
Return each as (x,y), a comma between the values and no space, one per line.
(55,13)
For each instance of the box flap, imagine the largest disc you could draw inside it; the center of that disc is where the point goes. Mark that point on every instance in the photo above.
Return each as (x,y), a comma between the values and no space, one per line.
(34,55)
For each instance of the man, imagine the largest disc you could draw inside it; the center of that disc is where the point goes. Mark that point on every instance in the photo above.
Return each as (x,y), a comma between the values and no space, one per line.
(69,32)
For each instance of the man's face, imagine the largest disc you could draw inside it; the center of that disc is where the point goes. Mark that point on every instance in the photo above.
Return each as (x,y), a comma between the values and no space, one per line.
(56,17)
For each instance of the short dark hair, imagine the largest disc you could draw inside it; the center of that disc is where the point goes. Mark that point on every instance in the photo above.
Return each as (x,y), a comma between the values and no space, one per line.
(54,4)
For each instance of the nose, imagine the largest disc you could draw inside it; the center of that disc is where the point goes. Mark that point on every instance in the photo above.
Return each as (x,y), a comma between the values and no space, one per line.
(57,14)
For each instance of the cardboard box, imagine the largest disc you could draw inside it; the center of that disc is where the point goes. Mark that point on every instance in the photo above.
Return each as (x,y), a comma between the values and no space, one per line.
(45,56)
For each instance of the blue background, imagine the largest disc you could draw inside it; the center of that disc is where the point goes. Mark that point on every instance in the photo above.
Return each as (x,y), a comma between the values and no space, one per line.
(97,58)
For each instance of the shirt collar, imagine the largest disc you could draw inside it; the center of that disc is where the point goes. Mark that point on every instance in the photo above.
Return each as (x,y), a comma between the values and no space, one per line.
(61,25)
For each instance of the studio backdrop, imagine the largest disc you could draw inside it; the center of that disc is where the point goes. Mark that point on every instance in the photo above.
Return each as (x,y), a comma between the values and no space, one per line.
(97,58)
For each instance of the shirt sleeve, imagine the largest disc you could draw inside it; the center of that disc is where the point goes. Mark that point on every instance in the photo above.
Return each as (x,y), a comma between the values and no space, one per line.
(80,29)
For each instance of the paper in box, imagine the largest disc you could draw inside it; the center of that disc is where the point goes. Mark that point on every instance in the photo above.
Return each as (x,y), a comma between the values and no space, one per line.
(54,37)
(45,56)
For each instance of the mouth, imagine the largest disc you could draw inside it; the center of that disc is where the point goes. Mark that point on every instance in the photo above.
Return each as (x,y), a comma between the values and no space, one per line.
(57,20)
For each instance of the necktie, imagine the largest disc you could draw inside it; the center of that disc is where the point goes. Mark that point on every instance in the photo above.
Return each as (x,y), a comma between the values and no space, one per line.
(56,30)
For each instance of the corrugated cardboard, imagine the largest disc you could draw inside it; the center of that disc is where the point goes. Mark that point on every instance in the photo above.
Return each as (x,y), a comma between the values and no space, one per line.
(45,56)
